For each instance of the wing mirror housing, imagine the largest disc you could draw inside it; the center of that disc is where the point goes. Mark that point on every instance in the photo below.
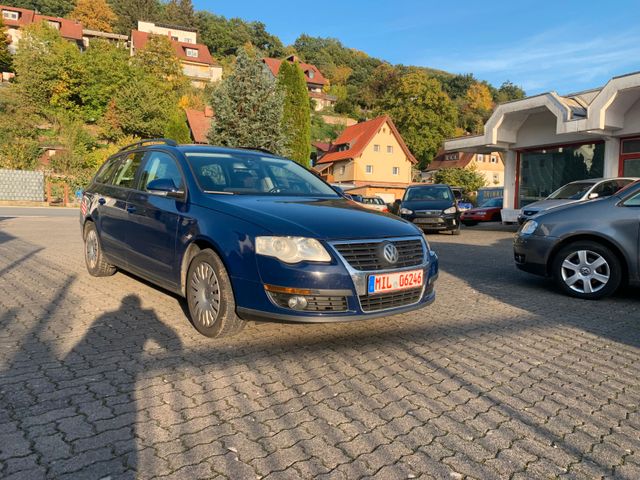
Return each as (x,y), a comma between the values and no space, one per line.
(593,195)
(165,187)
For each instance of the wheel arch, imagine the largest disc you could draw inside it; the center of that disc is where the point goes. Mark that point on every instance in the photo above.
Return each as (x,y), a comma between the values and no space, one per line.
(615,249)
(195,247)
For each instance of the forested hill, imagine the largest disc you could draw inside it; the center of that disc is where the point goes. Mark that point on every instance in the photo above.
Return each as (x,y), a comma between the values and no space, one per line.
(451,104)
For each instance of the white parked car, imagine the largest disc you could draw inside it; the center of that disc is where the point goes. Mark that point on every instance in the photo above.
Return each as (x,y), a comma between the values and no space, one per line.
(574,192)
(374,203)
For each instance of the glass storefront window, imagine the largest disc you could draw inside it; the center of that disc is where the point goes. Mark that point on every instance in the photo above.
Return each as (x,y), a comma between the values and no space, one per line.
(544,171)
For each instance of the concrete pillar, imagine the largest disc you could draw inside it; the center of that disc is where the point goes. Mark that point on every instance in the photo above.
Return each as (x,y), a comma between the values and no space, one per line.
(510,174)
(611,157)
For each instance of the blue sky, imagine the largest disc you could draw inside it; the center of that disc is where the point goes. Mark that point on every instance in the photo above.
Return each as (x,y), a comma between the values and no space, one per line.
(564,46)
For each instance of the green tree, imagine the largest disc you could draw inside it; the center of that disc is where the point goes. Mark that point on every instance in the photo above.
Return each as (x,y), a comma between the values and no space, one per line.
(248,106)
(94,15)
(179,12)
(158,59)
(105,70)
(467,178)
(296,114)
(423,113)
(508,91)
(176,128)
(6,60)
(130,11)
(19,120)
(48,69)
(55,8)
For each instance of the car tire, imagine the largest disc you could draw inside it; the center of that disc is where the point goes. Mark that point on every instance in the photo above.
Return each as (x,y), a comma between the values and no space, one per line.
(93,256)
(212,306)
(587,270)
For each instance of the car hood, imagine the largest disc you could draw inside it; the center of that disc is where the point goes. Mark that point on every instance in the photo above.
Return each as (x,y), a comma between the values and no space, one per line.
(548,203)
(427,204)
(312,217)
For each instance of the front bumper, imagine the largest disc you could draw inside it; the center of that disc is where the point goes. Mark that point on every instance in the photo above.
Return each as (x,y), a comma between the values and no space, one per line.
(532,253)
(435,222)
(336,286)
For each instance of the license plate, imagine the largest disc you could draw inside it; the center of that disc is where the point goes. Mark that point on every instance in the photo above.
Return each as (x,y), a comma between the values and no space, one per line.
(428,220)
(391,282)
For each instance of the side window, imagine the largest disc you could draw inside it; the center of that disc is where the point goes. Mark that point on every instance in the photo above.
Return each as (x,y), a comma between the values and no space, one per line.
(161,165)
(126,173)
(633,201)
(107,171)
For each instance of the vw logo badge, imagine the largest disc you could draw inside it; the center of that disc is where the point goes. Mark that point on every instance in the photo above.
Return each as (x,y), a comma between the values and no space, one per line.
(390,253)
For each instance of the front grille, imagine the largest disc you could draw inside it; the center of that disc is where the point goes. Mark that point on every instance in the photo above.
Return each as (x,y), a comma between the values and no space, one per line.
(428,212)
(385,301)
(366,255)
(315,303)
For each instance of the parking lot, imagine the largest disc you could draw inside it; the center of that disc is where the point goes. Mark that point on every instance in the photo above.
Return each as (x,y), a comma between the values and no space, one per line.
(502,377)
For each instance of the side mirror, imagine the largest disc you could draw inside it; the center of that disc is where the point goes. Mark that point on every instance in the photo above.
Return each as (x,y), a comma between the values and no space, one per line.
(593,195)
(164,187)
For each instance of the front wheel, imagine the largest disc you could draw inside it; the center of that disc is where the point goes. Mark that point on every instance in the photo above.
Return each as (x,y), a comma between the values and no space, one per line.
(210,298)
(587,270)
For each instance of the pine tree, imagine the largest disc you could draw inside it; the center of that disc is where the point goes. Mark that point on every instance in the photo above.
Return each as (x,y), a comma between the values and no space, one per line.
(130,11)
(248,106)
(6,62)
(94,15)
(296,115)
(179,12)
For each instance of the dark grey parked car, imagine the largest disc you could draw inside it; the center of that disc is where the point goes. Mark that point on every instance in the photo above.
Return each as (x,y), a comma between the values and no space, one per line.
(588,248)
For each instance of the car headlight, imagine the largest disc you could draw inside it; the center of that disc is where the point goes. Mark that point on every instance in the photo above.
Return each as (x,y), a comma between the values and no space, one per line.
(406,211)
(529,227)
(449,210)
(292,249)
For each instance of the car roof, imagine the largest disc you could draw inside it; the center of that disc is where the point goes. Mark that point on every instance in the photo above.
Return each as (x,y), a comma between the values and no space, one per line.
(194,148)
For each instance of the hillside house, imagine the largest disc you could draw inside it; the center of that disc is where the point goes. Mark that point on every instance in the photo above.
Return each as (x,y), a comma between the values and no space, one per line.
(314,78)
(369,158)
(489,165)
(199,122)
(197,63)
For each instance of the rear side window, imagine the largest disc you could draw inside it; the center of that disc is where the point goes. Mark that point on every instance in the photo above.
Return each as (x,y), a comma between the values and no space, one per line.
(160,165)
(105,175)
(633,201)
(126,173)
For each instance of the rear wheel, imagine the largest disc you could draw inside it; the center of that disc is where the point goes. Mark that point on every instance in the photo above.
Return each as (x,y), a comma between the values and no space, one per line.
(587,270)
(210,298)
(93,257)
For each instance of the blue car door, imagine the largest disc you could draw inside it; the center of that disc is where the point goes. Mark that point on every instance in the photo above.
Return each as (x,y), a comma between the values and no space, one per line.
(154,216)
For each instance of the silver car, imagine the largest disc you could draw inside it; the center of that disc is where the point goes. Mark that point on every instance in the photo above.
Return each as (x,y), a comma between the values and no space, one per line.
(575,192)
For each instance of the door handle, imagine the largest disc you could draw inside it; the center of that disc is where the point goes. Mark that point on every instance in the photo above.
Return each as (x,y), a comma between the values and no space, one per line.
(131,209)
(102,201)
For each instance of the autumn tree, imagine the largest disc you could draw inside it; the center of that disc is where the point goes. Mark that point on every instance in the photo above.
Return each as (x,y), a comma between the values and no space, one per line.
(296,115)
(94,15)
(6,60)
(468,178)
(248,106)
(423,113)
(159,60)
(508,91)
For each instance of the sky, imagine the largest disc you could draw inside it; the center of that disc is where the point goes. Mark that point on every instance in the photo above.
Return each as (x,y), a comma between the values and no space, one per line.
(564,46)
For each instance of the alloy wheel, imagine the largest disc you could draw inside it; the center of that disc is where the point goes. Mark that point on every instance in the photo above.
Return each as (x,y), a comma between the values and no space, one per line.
(91,248)
(585,271)
(205,294)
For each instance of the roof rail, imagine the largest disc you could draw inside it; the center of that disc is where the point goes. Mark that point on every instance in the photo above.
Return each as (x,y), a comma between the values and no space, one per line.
(152,141)
(257,149)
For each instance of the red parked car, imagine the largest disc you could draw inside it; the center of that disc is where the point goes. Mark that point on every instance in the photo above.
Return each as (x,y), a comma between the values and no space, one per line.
(489,211)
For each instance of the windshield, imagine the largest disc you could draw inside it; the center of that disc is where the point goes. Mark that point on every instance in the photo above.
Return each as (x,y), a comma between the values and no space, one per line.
(494,202)
(251,174)
(431,193)
(372,201)
(572,191)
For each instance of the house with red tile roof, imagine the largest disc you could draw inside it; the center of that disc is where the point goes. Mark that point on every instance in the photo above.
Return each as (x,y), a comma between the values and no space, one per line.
(197,63)
(15,19)
(316,82)
(369,158)
(490,165)
(199,122)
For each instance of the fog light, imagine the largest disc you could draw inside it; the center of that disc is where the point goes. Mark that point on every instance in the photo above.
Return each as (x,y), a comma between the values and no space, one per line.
(297,303)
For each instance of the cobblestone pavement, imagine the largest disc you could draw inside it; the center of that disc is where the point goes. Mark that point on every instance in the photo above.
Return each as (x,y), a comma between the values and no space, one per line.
(501,378)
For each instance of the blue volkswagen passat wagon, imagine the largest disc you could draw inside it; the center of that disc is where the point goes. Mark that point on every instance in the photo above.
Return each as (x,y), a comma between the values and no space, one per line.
(246,235)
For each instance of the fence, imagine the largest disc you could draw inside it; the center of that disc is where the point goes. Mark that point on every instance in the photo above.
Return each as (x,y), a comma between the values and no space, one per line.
(21,186)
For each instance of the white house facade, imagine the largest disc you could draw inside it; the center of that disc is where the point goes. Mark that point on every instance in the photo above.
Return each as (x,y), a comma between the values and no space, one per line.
(549,140)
